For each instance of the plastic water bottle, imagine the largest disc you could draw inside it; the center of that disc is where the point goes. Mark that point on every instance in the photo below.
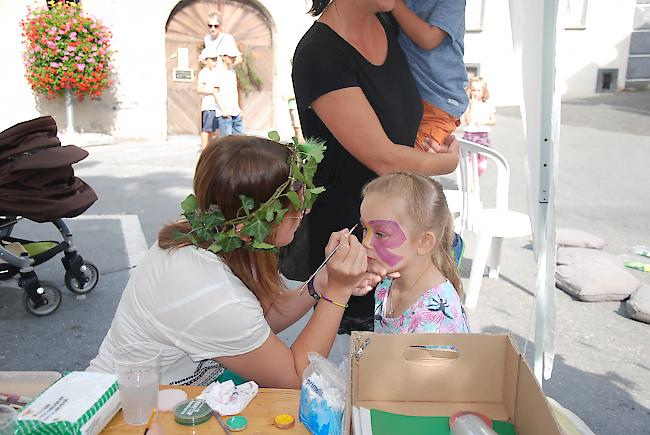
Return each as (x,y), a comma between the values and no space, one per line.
(470,424)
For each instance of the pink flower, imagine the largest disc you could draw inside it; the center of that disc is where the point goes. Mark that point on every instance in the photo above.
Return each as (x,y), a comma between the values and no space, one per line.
(51,44)
(57,37)
(73,36)
(81,66)
(65,58)
(70,48)
(91,60)
(77,58)
(54,64)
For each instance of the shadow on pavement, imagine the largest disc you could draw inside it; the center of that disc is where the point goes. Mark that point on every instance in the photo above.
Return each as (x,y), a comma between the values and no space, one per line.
(599,399)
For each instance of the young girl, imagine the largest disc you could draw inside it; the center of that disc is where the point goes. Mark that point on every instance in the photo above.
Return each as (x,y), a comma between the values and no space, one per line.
(408,229)
(479,117)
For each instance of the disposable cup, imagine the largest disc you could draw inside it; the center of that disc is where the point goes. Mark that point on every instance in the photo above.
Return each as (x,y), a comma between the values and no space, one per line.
(7,420)
(137,367)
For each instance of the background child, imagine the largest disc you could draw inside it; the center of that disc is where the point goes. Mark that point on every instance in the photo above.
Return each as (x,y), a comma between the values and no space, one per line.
(408,229)
(479,117)
(206,87)
(227,96)
(432,37)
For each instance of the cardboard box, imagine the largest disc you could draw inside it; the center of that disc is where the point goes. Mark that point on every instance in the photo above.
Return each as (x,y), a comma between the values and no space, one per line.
(441,374)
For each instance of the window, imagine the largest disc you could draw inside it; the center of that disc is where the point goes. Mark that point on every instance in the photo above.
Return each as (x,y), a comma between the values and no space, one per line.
(607,80)
(574,14)
(474,15)
(473,70)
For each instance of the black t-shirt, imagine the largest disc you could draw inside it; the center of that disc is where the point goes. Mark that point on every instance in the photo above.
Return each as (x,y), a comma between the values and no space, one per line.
(325,62)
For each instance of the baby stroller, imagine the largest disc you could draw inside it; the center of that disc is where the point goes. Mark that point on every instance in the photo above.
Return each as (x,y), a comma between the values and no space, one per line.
(37,183)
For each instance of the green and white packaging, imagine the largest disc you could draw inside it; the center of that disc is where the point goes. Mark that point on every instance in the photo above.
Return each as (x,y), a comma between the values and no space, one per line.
(81,403)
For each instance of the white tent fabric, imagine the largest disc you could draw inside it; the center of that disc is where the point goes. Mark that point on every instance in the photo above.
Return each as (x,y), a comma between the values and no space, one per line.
(534,29)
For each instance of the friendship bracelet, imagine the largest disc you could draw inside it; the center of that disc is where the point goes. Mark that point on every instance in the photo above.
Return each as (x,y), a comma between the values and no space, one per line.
(333,302)
(312,290)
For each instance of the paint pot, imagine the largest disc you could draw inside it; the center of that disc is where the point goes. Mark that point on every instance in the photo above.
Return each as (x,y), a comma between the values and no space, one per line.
(192,412)
(237,423)
(284,421)
(168,399)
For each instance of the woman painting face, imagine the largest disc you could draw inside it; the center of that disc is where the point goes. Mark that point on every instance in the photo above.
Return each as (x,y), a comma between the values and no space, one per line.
(385,236)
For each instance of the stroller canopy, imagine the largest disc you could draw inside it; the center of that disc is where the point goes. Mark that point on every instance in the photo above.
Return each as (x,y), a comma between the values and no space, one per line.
(36,176)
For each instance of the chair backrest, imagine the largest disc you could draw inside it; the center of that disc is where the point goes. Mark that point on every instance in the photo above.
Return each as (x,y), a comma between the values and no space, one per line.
(468,178)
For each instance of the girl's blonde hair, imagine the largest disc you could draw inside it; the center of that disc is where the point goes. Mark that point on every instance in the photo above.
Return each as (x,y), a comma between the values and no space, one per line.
(481,81)
(428,209)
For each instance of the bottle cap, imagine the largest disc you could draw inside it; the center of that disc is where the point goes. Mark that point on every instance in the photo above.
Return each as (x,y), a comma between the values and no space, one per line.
(192,412)
(284,421)
(237,423)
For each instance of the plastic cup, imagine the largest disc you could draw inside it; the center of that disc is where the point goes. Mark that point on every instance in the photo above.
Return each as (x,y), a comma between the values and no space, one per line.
(137,367)
(7,420)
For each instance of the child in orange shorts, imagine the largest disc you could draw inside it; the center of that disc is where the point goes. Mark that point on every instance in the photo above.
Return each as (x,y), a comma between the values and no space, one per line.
(431,36)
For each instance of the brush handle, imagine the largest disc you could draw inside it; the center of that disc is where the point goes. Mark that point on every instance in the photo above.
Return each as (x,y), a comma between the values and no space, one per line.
(302,287)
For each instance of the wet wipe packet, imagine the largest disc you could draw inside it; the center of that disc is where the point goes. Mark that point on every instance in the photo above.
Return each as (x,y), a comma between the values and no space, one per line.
(322,397)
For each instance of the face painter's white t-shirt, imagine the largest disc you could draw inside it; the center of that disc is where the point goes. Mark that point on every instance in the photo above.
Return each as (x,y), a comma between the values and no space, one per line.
(189,303)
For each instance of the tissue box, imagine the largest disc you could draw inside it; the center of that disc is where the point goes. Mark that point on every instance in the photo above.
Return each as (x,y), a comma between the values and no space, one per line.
(80,403)
(441,374)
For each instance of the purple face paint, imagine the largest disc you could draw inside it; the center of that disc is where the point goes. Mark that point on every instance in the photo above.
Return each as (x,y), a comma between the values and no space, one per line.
(391,237)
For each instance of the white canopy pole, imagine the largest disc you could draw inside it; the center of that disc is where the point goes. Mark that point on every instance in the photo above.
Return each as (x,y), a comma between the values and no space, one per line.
(534,26)
(548,150)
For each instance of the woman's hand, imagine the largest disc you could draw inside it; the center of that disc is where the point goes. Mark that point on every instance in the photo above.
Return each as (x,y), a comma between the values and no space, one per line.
(348,265)
(367,282)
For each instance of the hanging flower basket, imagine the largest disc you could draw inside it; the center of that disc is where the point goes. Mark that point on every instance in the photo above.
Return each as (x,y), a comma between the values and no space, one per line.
(66,51)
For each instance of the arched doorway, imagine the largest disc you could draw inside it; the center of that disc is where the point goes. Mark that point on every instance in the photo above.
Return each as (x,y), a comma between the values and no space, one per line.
(184,33)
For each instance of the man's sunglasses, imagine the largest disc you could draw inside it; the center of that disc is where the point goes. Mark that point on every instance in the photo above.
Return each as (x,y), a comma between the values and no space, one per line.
(214,26)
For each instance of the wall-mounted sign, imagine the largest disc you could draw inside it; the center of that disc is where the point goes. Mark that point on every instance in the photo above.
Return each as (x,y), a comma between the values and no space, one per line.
(183,75)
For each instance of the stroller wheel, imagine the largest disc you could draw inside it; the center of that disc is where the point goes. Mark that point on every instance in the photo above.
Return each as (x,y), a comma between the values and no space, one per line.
(53,295)
(91,273)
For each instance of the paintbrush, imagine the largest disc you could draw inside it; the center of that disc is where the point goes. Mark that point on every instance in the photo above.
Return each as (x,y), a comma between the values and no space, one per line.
(221,423)
(152,416)
(302,287)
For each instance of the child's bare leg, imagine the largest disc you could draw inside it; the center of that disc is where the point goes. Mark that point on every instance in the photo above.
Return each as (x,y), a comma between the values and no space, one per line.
(205,137)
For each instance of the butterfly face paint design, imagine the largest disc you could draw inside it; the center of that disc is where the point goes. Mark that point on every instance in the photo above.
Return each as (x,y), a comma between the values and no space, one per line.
(385,236)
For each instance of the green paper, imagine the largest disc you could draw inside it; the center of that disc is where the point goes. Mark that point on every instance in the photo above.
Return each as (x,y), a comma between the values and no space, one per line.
(644,267)
(386,423)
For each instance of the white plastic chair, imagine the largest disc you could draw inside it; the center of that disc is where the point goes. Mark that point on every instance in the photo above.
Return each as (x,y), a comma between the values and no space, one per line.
(489,225)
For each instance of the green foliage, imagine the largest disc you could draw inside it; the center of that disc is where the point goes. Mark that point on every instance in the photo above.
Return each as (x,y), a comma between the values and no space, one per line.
(251,227)
(247,78)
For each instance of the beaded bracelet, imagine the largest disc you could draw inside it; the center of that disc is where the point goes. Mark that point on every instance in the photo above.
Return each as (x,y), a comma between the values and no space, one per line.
(333,302)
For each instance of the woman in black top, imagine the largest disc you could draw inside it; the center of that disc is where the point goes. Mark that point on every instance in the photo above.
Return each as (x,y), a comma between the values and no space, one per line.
(354,90)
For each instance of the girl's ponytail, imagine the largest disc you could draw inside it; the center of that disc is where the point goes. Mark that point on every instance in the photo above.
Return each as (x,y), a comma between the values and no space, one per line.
(443,258)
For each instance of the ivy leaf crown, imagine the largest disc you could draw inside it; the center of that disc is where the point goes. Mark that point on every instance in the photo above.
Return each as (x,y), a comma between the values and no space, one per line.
(251,226)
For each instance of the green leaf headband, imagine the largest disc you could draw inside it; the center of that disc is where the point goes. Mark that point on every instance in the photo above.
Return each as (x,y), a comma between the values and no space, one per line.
(251,227)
